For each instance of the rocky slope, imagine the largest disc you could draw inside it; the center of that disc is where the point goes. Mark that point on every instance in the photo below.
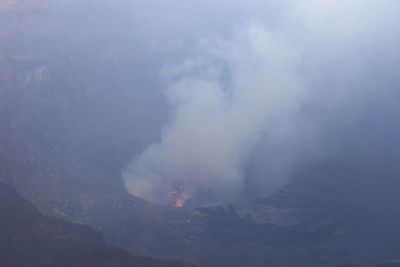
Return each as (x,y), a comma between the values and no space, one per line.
(27,238)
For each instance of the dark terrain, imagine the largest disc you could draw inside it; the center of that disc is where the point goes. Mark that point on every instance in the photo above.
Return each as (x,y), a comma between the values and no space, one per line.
(27,238)
(67,158)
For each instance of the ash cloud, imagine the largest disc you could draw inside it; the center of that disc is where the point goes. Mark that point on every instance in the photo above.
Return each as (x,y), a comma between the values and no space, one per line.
(263,90)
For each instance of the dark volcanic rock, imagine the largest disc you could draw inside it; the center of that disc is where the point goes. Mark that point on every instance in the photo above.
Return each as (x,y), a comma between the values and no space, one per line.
(27,238)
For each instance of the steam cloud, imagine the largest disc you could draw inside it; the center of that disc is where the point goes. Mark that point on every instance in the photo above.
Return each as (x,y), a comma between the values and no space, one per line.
(219,115)
(267,89)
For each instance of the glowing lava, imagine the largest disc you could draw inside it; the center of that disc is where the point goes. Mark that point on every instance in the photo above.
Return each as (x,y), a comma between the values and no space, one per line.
(177,196)
(178,203)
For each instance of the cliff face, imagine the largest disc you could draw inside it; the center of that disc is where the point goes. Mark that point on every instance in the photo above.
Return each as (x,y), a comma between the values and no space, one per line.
(55,110)
(61,144)
(46,84)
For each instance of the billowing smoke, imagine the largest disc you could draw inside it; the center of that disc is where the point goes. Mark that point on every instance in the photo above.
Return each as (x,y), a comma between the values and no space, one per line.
(302,71)
(225,101)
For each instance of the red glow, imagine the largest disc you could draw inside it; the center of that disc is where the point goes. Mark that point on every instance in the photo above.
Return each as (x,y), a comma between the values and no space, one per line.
(177,195)
(178,203)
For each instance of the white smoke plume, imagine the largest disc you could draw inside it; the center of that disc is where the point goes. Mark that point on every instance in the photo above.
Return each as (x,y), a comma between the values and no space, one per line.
(219,115)
(308,70)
